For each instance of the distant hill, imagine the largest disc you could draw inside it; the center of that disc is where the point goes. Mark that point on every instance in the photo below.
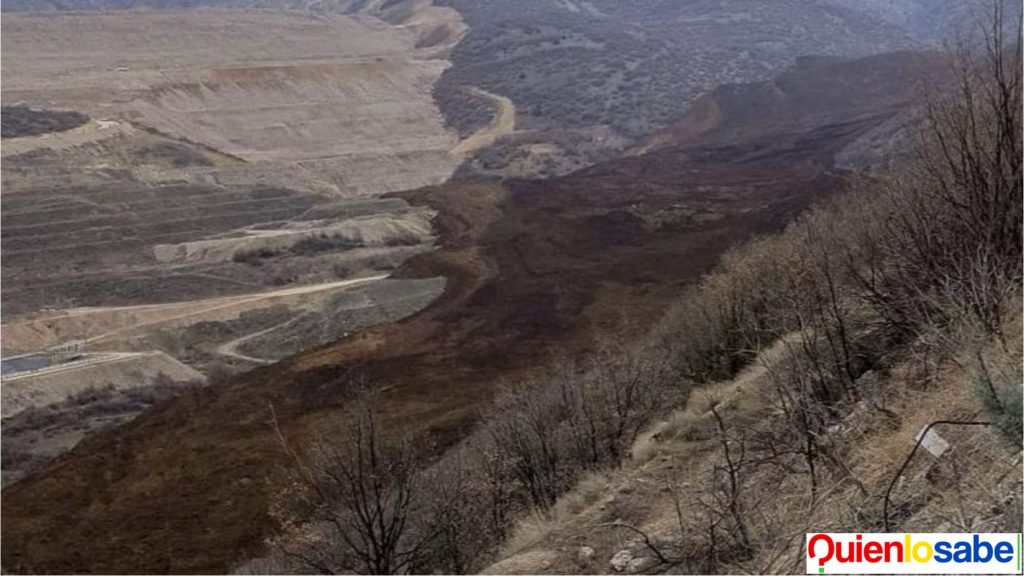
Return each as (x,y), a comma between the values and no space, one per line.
(814,91)
(591,77)
(632,66)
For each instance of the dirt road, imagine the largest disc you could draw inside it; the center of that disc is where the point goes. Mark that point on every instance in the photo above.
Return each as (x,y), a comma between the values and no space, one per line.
(230,348)
(228,301)
(504,123)
(103,324)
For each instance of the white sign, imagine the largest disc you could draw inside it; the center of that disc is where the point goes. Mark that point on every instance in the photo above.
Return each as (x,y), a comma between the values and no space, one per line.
(932,442)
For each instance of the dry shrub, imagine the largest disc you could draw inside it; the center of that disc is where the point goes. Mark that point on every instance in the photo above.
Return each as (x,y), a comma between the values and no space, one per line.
(529,530)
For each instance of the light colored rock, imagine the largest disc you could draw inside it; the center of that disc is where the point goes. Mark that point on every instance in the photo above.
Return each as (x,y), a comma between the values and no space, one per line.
(528,562)
(585,553)
(621,560)
(368,231)
(641,565)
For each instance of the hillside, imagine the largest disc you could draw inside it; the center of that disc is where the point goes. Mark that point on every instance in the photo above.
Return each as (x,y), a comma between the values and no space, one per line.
(599,526)
(531,267)
(814,91)
(858,372)
(545,286)
(593,77)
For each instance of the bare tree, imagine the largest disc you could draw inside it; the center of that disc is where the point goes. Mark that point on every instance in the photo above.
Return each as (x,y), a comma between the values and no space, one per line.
(949,238)
(734,454)
(363,497)
(460,510)
(525,428)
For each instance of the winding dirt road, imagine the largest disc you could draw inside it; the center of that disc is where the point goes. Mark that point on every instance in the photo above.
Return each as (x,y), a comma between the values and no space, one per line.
(504,123)
(230,348)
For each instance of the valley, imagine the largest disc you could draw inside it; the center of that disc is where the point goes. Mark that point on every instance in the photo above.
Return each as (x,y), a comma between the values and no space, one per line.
(532,269)
(226,223)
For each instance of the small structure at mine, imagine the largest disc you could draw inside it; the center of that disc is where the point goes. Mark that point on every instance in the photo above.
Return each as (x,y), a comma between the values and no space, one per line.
(66,352)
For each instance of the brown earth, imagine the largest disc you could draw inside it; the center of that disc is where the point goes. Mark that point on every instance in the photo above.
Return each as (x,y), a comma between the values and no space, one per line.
(814,92)
(534,268)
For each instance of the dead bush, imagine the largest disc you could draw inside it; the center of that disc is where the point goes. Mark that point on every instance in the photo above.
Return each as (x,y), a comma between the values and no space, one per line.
(362,496)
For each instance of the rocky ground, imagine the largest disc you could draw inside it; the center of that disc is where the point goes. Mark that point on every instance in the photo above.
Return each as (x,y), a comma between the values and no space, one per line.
(21,121)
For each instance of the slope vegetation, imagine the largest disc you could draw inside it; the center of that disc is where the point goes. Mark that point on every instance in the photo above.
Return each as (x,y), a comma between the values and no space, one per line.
(868,364)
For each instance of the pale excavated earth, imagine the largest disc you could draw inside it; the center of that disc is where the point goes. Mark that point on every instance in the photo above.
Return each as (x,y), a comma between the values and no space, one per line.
(125,238)
(336,103)
(220,209)
(219,144)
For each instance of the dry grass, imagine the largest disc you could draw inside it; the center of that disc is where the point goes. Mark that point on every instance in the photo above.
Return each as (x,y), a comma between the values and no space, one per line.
(528,533)
(536,526)
(974,486)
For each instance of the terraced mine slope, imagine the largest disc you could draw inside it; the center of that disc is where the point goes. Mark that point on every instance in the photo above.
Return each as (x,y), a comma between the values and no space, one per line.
(531,266)
(326,102)
(118,222)
(189,192)
(106,242)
